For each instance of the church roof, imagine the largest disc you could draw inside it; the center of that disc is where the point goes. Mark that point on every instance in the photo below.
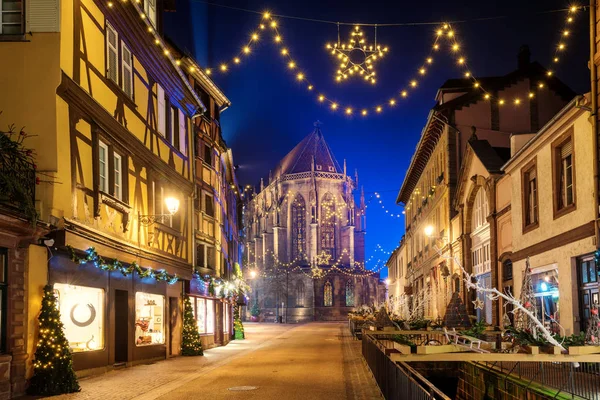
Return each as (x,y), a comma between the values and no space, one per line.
(301,157)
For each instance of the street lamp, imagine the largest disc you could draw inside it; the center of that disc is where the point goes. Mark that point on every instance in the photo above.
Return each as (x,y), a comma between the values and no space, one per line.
(252,274)
(428,230)
(388,281)
(172,204)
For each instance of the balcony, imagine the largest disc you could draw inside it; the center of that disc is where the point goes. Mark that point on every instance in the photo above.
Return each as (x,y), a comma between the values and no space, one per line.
(18,181)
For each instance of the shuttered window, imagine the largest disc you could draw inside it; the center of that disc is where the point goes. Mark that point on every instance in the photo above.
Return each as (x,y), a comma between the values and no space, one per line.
(118,176)
(103,167)
(127,70)
(565,175)
(181,120)
(150,8)
(162,110)
(112,54)
(11,17)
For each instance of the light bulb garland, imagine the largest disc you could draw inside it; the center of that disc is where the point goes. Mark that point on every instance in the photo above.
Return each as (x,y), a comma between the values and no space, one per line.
(445,31)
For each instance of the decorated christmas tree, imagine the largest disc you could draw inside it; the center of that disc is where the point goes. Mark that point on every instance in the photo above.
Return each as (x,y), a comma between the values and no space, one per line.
(456,313)
(52,365)
(191,344)
(592,334)
(238,327)
(523,322)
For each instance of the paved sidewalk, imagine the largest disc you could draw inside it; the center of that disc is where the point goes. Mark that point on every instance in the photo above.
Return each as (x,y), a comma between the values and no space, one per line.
(280,362)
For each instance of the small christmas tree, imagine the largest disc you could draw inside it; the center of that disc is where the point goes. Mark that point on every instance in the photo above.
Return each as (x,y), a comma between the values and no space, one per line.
(592,334)
(191,344)
(53,365)
(524,322)
(238,327)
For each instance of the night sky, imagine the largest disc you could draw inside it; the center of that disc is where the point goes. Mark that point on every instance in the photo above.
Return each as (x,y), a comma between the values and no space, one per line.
(271,112)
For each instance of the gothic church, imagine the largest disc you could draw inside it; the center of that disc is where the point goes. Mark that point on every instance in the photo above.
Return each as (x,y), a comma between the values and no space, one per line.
(306,239)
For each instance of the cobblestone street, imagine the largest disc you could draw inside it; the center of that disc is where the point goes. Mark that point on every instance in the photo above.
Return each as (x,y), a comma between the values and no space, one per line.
(311,361)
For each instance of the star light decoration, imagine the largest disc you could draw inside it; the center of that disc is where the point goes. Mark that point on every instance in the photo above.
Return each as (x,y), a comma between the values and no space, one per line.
(478,304)
(356,58)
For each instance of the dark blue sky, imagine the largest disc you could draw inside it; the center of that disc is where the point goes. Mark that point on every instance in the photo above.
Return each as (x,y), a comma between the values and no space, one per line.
(271,112)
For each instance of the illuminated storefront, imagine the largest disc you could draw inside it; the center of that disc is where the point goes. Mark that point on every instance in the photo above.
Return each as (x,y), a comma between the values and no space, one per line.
(149,319)
(82,314)
(211,315)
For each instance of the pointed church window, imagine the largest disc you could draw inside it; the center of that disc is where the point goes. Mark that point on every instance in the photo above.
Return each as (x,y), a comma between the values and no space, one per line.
(349,294)
(298,228)
(328,294)
(328,220)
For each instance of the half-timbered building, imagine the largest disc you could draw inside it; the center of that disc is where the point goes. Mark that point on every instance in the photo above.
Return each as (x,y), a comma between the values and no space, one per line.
(127,129)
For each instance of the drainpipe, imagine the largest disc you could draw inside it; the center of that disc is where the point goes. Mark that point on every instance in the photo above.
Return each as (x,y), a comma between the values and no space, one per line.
(594,113)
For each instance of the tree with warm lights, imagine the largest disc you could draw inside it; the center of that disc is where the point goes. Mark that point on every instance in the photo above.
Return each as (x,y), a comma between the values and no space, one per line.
(238,327)
(53,364)
(592,334)
(191,344)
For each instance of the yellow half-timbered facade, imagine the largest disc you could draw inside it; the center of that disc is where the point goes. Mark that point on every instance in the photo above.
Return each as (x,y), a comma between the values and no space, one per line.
(128,140)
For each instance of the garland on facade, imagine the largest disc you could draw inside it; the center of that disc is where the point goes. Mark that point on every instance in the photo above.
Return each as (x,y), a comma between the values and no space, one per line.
(228,290)
(91,255)
(191,344)
(53,364)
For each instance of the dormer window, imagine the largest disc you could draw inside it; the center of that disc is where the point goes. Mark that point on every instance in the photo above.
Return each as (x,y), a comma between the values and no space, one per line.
(318,168)
(331,169)
(150,9)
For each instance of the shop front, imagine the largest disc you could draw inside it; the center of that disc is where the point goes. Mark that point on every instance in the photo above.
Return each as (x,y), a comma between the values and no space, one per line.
(213,315)
(112,319)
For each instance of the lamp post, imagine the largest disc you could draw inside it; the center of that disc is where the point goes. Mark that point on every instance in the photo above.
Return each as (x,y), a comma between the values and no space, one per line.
(172,204)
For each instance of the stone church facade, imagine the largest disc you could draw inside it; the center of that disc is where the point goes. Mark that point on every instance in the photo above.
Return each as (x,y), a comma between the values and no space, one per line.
(306,239)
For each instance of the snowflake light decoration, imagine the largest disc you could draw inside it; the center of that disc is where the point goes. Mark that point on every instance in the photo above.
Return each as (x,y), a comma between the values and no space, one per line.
(356,58)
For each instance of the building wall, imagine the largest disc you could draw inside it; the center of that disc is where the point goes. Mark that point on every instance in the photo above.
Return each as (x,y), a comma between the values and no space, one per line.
(557,242)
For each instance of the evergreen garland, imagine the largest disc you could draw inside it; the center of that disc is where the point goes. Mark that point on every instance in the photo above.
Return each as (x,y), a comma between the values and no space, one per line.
(191,344)
(238,327)
(53,364)
(91,255)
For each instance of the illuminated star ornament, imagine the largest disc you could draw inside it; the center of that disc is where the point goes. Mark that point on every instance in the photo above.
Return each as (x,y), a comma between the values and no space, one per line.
(356,58)
(478,304)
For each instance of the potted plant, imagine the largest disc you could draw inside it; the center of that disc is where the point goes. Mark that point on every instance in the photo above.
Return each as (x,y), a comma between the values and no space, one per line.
(254,312)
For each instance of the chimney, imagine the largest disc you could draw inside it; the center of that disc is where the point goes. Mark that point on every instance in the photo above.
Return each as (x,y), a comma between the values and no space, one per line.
(524,57)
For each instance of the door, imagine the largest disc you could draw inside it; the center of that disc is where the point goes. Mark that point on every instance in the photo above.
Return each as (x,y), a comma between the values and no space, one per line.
(121,326)
(587,272)
(174,325)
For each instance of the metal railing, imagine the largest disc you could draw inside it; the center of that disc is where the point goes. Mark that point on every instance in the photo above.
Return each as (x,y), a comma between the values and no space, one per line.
(570,380)
(397,380)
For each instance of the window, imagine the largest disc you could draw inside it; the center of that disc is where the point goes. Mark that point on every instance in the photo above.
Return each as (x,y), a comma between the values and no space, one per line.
(481,259)
(162,110)
(300,294)
(3,296)
(328,294)
(149,319)
(11,17)
(150,9)
(160,193)
(530,196)
(201,255)
(112,54)
(127,70)
(327,219)
(298,227)
(173,126)
(118,177)
(207,154)
(103,166)
(209,205)
(480,210)
(82,314)
(210,316)
(507,270)
(564,177)
(182,132)
(110,171)
(349,294)
(546,292)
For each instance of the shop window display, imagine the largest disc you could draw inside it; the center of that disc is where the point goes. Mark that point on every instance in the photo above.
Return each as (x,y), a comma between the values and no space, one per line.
(204,312)
(226,318)
(149,319)
(82,314)
(545,287)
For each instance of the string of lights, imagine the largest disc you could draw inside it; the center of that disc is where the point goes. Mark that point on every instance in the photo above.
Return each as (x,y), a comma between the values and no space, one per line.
(445,31)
